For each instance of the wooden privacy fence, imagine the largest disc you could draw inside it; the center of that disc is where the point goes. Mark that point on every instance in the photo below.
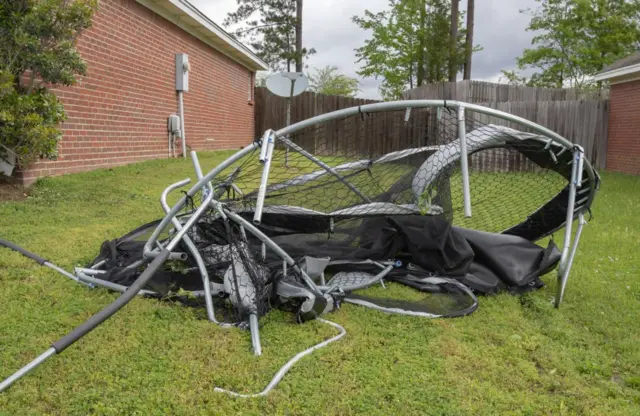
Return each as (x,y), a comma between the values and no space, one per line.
(367,134)
(271,110)
(485,92)
(580,117)
(582,121)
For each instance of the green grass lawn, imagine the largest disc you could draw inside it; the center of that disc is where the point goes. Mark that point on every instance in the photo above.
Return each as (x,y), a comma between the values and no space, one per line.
(515,355)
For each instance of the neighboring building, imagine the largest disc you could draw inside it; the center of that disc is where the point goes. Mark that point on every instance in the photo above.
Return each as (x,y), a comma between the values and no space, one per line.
(118,112)
(623,146)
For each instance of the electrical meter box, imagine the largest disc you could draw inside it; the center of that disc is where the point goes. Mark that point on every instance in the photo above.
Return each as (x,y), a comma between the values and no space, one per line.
(182,72)
(173,125)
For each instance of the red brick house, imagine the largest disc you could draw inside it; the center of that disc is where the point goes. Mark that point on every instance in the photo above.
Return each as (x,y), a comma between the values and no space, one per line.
(623,147)
(117,113)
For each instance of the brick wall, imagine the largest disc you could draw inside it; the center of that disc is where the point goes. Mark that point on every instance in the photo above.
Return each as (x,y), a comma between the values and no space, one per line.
(118,111)
(623,148)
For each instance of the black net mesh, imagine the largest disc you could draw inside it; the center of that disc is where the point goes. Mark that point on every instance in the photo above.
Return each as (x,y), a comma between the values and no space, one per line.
(382,187)
(395,163)
(230,261)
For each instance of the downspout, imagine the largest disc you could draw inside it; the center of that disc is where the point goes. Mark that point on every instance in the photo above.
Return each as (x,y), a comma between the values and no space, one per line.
(182,139)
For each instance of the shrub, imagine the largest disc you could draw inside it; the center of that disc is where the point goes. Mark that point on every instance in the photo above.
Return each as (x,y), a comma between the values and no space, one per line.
(37,52)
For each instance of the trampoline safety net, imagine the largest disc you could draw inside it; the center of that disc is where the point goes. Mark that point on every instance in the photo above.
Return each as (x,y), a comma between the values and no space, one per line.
(413,208)
(351,198)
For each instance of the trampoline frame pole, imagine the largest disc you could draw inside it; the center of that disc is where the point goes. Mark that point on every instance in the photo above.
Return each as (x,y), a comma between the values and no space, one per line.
(27,369)
(570,247)
(266,155)
(192,247)
(464,161)
(563,276)
(289,144)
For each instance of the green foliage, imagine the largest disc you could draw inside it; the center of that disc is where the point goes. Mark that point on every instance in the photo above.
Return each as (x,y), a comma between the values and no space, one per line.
(575,39)
(37,51)
(513,356)
(409,44)
(270,29)
(261,79)
(328,81)
(29,122)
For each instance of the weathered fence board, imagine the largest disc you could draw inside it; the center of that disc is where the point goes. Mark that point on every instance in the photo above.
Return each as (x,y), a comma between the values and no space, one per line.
(579,117)
(271,110)
(481,92)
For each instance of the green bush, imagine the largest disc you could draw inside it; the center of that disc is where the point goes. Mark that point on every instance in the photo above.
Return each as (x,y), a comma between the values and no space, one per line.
(37,52)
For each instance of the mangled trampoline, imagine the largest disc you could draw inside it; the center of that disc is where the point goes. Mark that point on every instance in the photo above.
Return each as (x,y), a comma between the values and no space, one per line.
(444,197)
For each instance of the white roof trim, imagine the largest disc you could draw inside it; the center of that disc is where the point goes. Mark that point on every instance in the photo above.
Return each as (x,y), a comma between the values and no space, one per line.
(624,80)
(181,13)
(619,72)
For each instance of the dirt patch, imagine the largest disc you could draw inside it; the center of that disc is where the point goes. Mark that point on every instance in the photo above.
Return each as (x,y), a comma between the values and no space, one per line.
(11,192)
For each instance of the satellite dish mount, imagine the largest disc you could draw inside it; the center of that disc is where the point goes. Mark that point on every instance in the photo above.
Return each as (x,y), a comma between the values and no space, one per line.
(288,85)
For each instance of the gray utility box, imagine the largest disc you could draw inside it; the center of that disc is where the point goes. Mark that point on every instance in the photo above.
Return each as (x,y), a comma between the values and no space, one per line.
(173,125)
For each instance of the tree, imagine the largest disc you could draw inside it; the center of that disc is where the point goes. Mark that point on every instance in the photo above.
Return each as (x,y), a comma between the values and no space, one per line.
(409,45)
(453,40)
(298,35)
(469,41)
(328,81)
(576,39)
(273,28)
(37,51)
(261,79)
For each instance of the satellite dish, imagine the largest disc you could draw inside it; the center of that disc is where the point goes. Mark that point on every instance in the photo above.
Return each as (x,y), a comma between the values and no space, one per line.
(287,84)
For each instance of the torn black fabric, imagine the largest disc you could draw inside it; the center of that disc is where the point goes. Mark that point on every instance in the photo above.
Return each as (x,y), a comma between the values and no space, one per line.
(488,263)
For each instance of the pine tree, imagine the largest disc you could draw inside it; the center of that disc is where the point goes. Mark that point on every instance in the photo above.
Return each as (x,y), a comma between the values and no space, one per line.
(273,28)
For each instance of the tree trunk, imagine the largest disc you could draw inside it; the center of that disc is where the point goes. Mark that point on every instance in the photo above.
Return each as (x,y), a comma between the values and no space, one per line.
(453,40)
(298,35)
(469,41)
(422,42)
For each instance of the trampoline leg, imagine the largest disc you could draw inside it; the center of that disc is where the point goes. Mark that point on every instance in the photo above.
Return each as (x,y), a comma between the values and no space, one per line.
(255,334)
(563,272)
(569,252)
(26,369)
(191,246)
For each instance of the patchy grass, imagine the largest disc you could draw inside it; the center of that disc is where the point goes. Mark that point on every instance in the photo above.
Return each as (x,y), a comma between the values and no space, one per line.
(515,355)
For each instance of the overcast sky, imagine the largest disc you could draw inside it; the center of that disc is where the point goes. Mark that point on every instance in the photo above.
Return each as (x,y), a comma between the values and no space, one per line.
(327,26)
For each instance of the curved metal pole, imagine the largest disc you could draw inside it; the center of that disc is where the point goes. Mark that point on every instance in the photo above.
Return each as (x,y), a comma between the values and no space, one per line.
(148,248)
(194,252)
(253,318)
(283,371)
(369,108)
(403,105)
